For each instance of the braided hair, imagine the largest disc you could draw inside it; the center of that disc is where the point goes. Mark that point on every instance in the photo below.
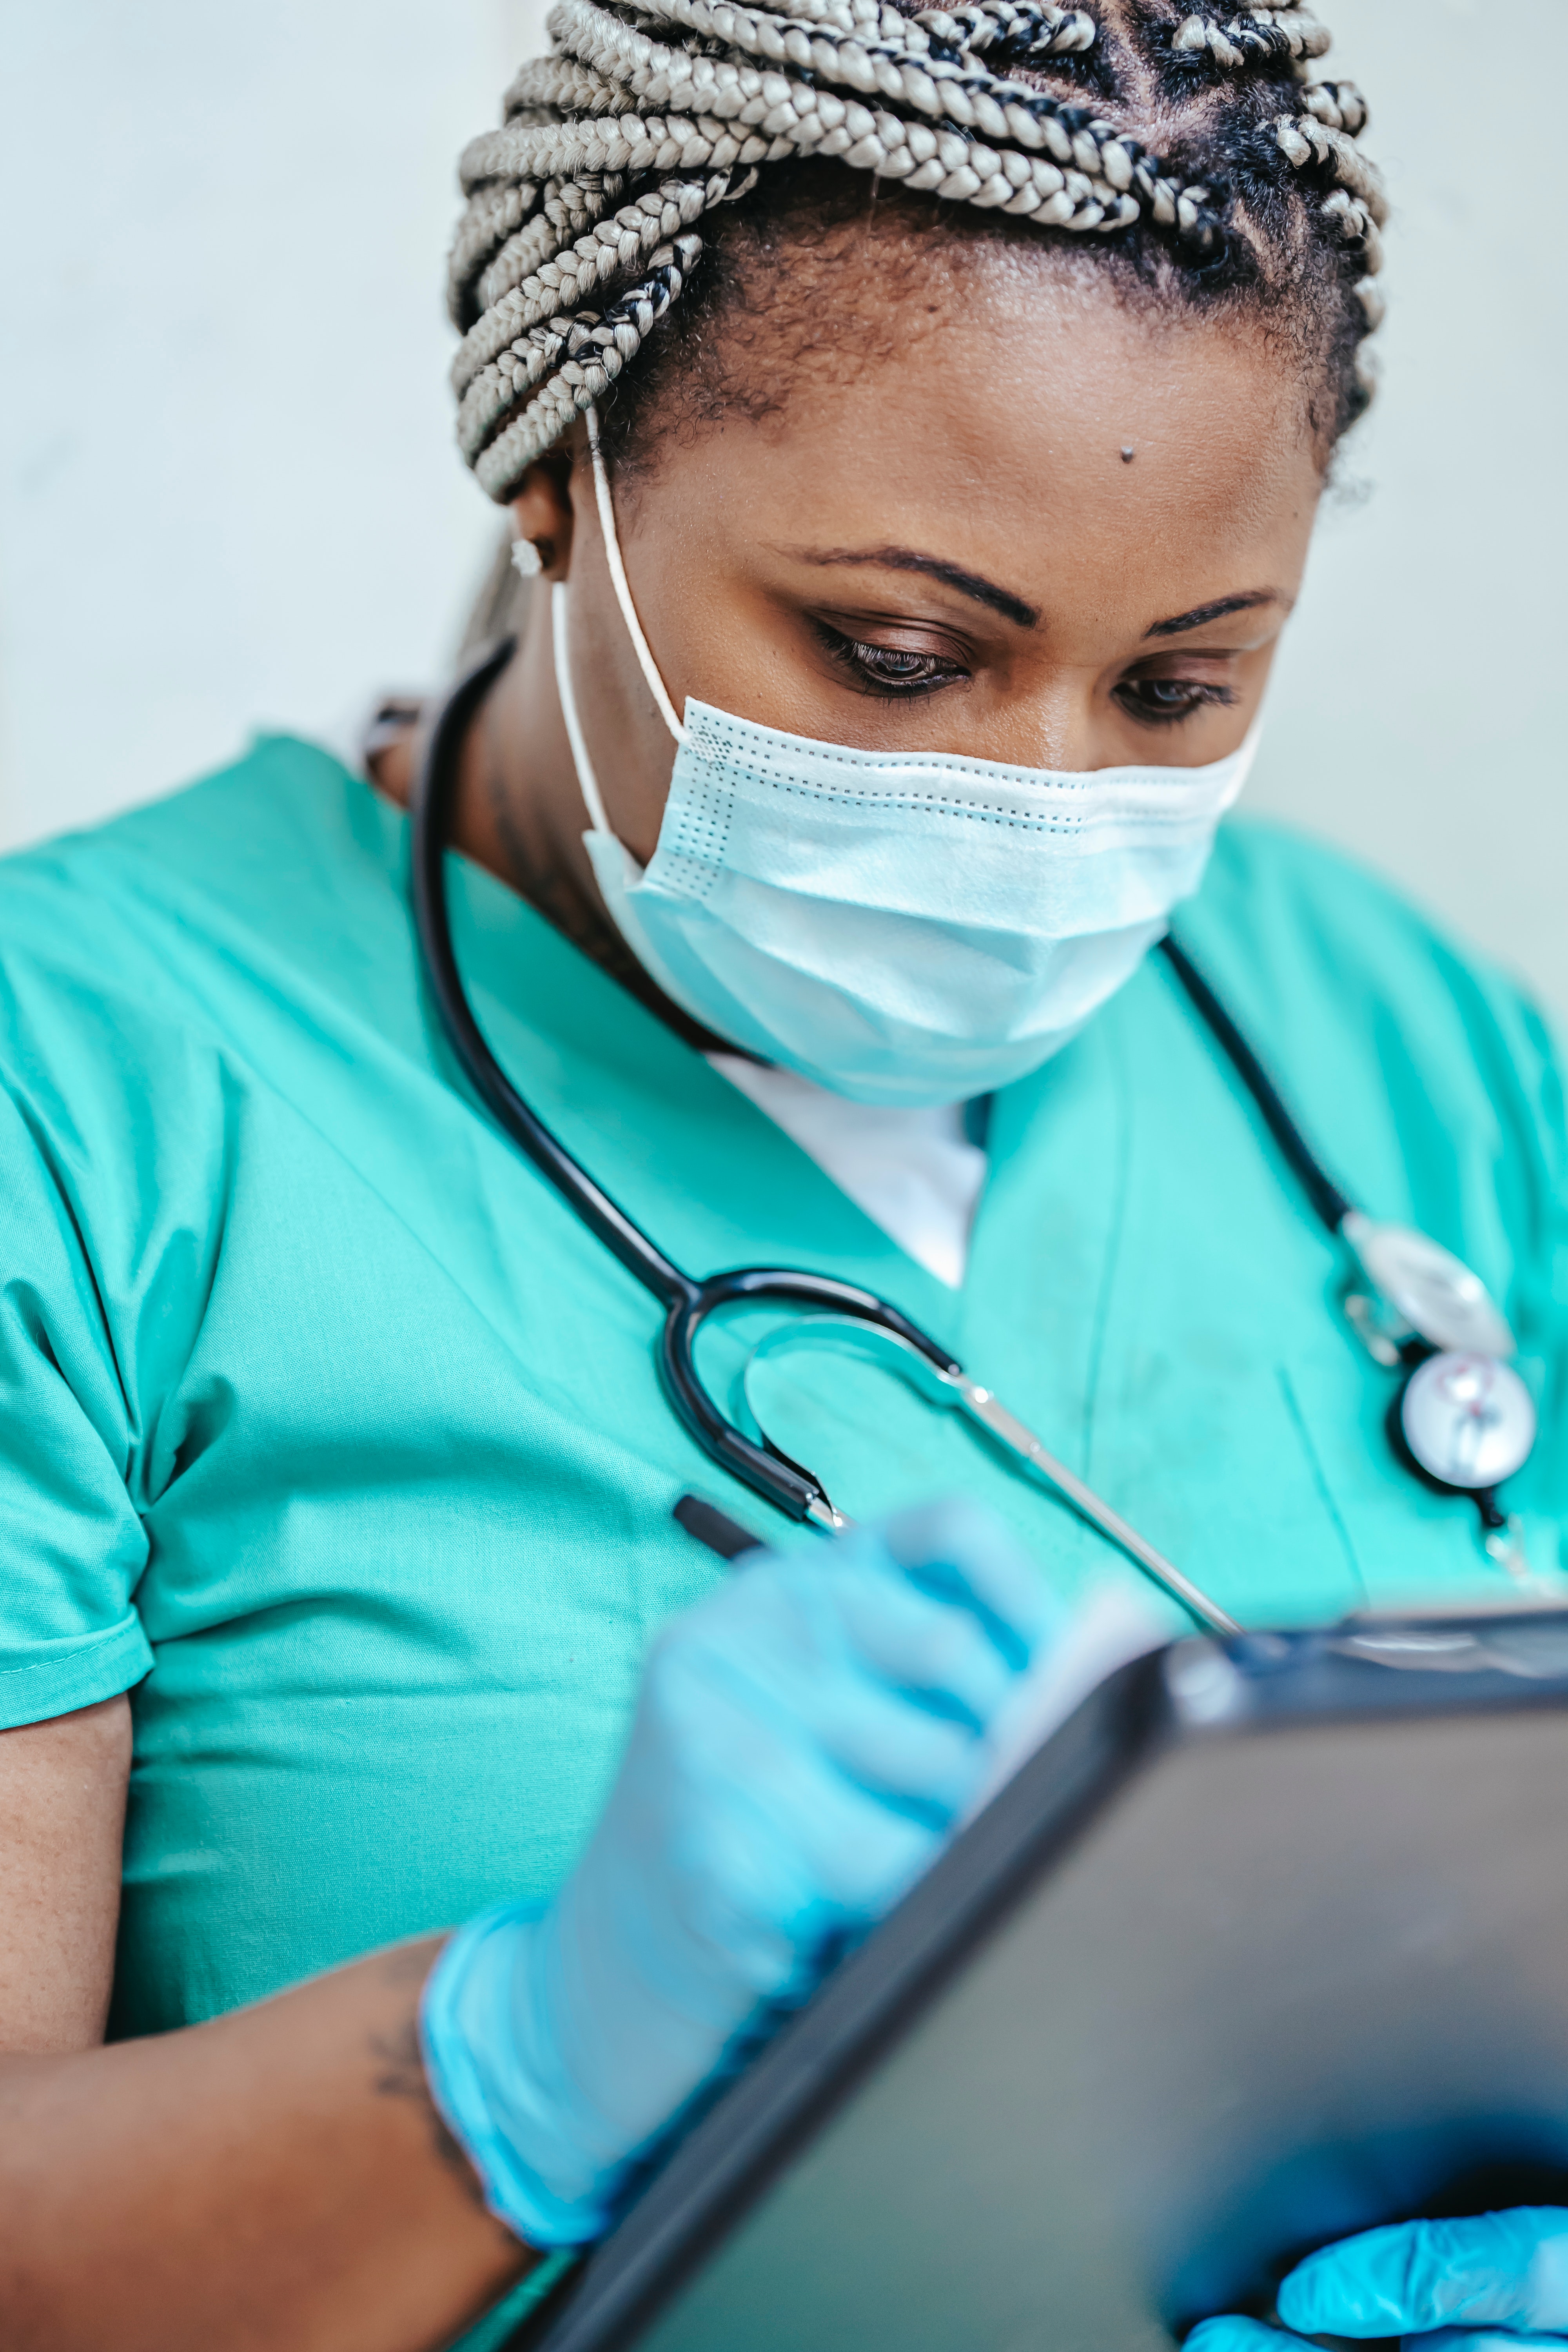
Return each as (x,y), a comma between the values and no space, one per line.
(655,123)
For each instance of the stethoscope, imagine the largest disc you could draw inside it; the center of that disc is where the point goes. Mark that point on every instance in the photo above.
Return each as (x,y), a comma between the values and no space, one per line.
(1461,1418)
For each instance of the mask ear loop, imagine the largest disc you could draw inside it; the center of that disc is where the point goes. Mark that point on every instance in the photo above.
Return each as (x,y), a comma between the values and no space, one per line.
(621,867)
(587,782)
(622,586)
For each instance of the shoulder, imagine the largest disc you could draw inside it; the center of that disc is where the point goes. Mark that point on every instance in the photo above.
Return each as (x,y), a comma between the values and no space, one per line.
(1426,1072)
(156,972)
(287,815)
(166,981)
(1324,952)
(1295,905)
(172,926)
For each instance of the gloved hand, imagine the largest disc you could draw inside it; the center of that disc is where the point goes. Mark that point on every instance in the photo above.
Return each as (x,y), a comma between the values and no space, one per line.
(1496,2283)
(804,1742)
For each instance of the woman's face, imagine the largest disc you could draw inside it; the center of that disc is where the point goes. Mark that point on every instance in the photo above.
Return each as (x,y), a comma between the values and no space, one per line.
(1053,533)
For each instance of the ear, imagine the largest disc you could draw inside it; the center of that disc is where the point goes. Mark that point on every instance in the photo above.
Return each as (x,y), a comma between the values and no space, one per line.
(541,512)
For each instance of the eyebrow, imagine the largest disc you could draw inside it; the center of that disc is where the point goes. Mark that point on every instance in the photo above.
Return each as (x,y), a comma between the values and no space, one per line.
(968,583)
(1202,614)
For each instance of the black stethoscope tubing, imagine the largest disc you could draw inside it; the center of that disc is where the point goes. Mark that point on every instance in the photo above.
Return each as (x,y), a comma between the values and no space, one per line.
(1332,1205)
(688,1302)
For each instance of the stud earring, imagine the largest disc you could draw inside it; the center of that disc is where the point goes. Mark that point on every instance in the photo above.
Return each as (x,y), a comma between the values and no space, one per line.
(527,558)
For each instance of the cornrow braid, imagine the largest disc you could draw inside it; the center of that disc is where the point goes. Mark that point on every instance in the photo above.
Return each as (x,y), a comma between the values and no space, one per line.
(648,116)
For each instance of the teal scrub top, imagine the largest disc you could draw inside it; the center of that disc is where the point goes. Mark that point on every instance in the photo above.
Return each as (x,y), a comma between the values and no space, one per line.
(328,1432)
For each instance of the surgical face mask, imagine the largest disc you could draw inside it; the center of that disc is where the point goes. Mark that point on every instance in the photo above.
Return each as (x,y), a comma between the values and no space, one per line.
(908,929)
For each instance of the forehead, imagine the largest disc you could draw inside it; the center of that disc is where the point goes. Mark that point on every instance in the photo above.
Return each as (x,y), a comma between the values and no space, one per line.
(996,408)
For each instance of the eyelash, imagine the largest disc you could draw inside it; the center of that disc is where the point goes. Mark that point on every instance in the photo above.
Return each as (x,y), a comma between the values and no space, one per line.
(929,673)
(862,661)
(1195,695)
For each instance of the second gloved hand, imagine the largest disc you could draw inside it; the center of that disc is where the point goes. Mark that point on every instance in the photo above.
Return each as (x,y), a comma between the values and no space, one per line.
(1493,2283)
(805,1741)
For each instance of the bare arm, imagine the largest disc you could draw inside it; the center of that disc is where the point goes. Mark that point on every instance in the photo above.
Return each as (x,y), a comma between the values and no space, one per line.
(62,1815)
(275,2179)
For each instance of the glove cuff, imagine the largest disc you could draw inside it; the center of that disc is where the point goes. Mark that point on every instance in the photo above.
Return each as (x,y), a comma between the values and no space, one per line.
(468,2034)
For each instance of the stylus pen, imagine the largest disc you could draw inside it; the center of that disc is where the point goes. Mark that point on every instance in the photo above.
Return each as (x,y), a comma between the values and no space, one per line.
(714,1528)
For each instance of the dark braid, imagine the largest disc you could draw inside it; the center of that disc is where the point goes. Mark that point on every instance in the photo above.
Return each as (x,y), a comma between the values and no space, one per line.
(582,234)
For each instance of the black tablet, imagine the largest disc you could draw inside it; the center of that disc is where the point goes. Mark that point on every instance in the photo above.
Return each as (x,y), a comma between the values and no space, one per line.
(1267,1944)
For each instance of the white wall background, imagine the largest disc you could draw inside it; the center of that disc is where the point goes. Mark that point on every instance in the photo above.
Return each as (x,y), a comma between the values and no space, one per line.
(228,496)
(1416,714)
(228,493)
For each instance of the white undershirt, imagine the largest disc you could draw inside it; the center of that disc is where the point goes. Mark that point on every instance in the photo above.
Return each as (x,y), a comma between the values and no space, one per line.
(914,1173)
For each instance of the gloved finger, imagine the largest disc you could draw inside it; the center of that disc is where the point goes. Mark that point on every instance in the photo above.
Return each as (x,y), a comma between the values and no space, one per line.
(1490,2269)
(1487,2339)
(926,1646)
(790,1859)
(902,1754)
(832,1859)
(1231,2335)
(800,1631)
(736,1699)
(962,1550)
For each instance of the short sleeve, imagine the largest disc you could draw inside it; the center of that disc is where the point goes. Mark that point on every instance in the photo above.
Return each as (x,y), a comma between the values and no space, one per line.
(72,1547)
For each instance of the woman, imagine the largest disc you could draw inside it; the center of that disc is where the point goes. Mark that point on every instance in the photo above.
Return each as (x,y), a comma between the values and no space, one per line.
(959,389)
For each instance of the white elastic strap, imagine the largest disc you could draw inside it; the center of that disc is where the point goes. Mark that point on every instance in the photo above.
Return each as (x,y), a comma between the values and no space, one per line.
(587,780)
(622,586)
(1245,754)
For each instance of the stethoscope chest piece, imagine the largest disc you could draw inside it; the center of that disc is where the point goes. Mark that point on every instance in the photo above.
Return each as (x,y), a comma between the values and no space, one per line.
(1464,1416)
(1467,1420)
(1462,1419)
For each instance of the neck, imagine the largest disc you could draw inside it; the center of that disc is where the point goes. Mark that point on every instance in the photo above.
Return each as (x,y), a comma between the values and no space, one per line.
(519,815)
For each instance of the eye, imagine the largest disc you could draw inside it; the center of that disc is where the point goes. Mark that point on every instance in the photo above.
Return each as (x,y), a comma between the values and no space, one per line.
(890,670)
(1162,701)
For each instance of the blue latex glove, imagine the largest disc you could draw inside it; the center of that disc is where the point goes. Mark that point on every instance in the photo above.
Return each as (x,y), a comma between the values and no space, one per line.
(804,1742)
(1495,2283)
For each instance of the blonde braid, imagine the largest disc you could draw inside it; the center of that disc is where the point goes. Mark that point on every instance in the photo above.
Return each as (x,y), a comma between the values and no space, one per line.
(1283,31)
(615,147)
(1322,139)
